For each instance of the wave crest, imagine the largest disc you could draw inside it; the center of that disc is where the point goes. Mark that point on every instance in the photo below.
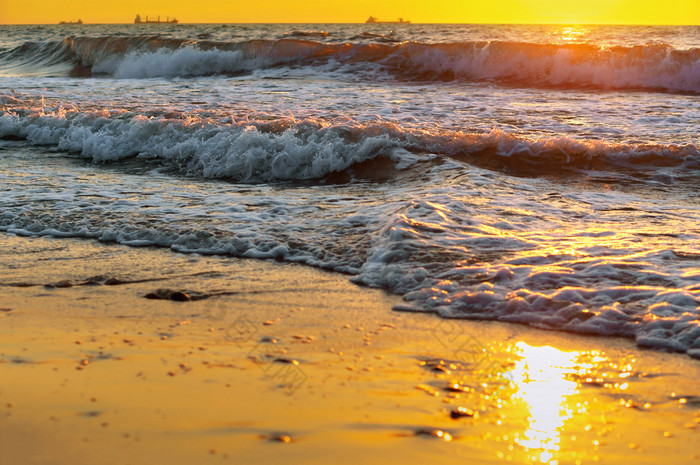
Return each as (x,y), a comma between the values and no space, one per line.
(654,67)
(312,149)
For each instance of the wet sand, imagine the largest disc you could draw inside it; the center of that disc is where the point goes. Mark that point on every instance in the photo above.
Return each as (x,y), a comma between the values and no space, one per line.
(277,363)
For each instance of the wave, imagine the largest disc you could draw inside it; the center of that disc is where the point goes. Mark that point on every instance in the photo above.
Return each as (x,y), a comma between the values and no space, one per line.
(288,149)
(307,34)
(653,67)
(37,59)
(374,37)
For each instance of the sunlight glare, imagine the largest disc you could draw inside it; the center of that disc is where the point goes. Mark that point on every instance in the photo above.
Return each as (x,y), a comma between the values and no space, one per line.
(541,379)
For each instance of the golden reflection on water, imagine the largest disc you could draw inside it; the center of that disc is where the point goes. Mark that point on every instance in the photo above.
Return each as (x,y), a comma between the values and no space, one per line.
(541,381)
(571,34)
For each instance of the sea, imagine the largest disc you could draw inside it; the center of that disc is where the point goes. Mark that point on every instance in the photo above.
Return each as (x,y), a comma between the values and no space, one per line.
(546,175)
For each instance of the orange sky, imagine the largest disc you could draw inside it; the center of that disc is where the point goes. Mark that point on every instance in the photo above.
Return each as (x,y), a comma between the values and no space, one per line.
(349,11)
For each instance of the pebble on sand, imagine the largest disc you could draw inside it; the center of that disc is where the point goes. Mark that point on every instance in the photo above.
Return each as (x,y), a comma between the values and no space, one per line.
(281,438)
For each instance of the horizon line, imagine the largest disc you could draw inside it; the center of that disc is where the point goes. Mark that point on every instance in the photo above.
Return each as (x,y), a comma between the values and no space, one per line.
(571,23)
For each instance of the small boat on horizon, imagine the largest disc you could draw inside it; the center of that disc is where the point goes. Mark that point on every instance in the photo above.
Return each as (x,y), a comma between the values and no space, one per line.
(373,20)
(80,21)
(138,20)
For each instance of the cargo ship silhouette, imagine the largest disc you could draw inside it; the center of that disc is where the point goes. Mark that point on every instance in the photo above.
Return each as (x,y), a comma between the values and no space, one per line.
(138,20)
(373,20)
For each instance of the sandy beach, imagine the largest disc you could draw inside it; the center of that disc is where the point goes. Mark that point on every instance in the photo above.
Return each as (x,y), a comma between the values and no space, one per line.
(242,361)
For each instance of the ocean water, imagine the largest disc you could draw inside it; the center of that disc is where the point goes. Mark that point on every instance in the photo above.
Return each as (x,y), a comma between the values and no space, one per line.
(544,175)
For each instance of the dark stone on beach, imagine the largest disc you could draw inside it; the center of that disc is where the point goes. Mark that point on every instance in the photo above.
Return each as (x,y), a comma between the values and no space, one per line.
(435,433)
(441,368)
(439,365)
(688,400)
(179,296)
(282,437)
(457,388)
(462,412)
(169,294)
(286,360)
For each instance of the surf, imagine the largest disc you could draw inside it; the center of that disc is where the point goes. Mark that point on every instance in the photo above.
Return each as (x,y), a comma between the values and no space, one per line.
(286,148)
(651,67)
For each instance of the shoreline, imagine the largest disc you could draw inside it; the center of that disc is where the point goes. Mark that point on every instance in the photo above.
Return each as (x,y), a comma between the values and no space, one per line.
(273,362)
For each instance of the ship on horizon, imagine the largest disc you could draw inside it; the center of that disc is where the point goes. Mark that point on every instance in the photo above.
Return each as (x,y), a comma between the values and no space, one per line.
(80,21)
(373,20)
(138,20)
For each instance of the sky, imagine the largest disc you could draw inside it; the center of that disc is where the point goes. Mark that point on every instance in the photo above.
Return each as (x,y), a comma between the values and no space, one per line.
(353,11)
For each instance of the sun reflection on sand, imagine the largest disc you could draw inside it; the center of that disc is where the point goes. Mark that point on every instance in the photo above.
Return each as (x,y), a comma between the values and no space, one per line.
(541,379)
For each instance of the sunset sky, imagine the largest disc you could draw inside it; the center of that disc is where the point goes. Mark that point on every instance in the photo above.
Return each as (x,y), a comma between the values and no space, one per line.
(352,11)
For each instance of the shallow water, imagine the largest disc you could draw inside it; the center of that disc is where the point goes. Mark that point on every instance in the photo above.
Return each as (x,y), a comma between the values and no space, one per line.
(535,174)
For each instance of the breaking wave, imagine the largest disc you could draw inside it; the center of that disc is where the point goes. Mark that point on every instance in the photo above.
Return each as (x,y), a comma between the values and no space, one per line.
(288,149)
(652,67)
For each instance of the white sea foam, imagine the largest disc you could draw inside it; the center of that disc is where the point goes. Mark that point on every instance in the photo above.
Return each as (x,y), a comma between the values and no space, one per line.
(238,151)
(183,62)
(310,149)
(650,67)
(450,257)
